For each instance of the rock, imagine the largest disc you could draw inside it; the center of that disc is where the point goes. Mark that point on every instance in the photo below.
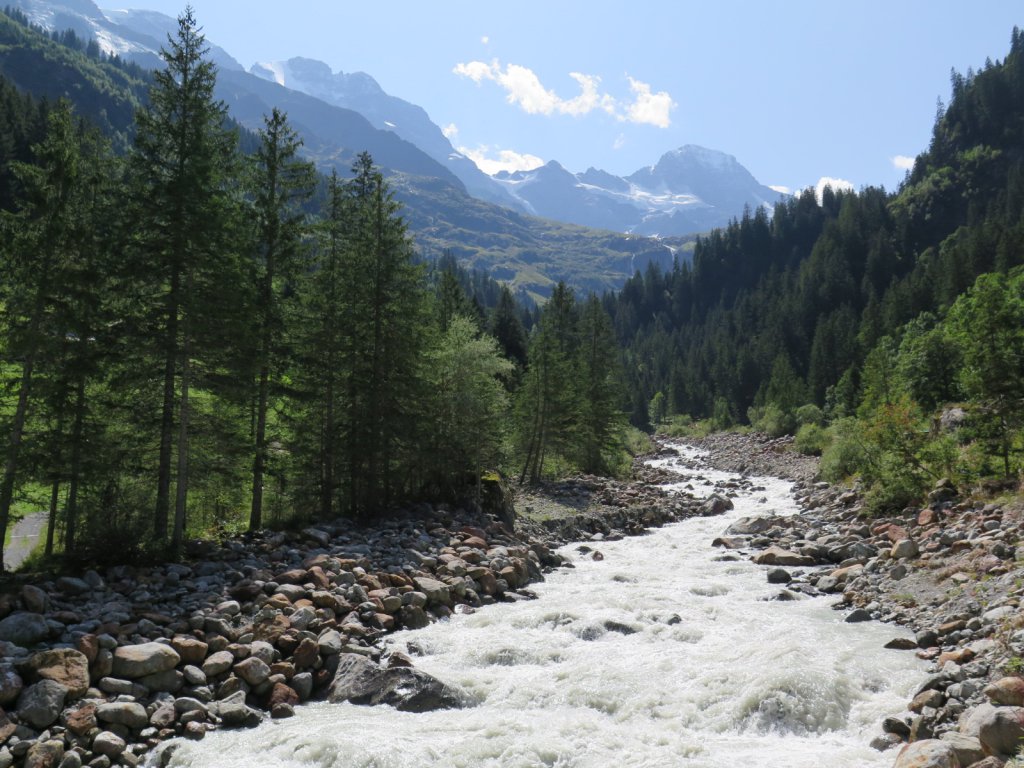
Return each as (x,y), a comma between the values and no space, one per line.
(135,661)
(779,576)
(234,713)
(70,585)
(40,705)
(45,754)
(437,592)
(80,721)
(901,644)
(1006,691)
(970,722)
(1000,731)
(967,748)
(282,694)
(747,526)
(928,753)
(190,649)
(361,681)
(68,667)
(857,615)
(776,555)
(715,505)
(130,714)
(11,685)
(218,663)
(24,629)
(169,681)
(108,744)
(904,549)
(35,599)
(252,670)
(929,698)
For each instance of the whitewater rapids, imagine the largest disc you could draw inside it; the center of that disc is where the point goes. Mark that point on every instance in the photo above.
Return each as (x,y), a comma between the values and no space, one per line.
(661,654)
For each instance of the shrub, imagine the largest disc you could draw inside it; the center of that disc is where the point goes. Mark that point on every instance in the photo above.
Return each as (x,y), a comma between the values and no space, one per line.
(812,439)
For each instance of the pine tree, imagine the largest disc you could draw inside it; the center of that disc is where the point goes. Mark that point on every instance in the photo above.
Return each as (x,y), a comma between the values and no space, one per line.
(183,168)
(282,183)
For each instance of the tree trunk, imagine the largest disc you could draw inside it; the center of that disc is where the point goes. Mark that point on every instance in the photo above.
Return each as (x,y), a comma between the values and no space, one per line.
(163,484)
(71,512)
(181,486)
(13,448)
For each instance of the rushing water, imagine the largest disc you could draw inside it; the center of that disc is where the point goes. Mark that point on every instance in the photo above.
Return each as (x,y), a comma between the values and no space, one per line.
(700,669)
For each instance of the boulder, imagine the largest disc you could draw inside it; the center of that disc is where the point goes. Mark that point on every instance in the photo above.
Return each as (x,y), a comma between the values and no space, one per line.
(437,592)
(361,681)
(234,713)
(1006,691)
(903,549)
(109,744)
(45,754)
(24,629)
(252,670)
(130,714)
(11,685)
(68,667)
(135,661)
(927,753)
(35,599)
(715,505)
(40,705)
(747,526)
(968,749)
(776,555)
(1000,730)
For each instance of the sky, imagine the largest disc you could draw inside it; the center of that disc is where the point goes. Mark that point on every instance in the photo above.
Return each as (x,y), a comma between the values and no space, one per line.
(798,91)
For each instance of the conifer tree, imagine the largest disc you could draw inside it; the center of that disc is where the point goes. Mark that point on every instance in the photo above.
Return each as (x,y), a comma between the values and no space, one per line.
(282,182)
(183,169)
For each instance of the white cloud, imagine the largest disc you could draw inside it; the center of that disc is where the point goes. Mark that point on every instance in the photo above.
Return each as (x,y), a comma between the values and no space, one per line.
(836,184)
(620,141)
(485,39)
(649,108)
(491,161)
(450,131)
(781,188)
(475,71)
(524,89)
(903,163)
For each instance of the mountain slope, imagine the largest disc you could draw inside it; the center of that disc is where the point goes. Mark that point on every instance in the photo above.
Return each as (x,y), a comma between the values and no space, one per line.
(359,92)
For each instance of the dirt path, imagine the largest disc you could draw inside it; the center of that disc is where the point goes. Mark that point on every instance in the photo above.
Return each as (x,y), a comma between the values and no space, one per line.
(23,539)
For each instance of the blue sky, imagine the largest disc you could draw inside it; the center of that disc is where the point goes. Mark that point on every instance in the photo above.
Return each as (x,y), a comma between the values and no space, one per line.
(796,90)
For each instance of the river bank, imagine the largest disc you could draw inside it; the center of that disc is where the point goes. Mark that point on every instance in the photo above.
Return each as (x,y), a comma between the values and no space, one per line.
(101,669)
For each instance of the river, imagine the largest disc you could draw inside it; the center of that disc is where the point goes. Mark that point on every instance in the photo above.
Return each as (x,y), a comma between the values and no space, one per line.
(660,654)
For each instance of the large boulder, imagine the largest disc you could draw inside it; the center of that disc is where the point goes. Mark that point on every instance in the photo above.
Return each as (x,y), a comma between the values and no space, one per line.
(927,753)
(361,681)
(40,705)
(66,666)
(968,749)
(776,555)
(1001,730)
(437,592)
(130,714)
(24,629)
(715,504)
(134,661)
(747,526)
(1007,691)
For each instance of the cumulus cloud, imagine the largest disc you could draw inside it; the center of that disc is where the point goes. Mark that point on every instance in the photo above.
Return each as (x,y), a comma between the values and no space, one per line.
(836,184)
(781,188)
(649,108)
(903,163)
(524,89)
(450,131)
(492,160)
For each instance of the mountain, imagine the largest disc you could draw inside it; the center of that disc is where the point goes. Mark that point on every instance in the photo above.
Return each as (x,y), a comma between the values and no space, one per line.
(359,92)
(528,252)
(133,35)
(691,189)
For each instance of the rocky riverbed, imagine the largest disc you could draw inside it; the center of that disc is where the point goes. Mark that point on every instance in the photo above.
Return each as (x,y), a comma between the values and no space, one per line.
(948,570)
(103,667)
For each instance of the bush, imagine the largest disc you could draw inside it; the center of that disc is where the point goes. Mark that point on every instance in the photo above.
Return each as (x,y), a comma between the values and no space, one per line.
(810,414)
(772,419)
(812,439)
(845,454)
